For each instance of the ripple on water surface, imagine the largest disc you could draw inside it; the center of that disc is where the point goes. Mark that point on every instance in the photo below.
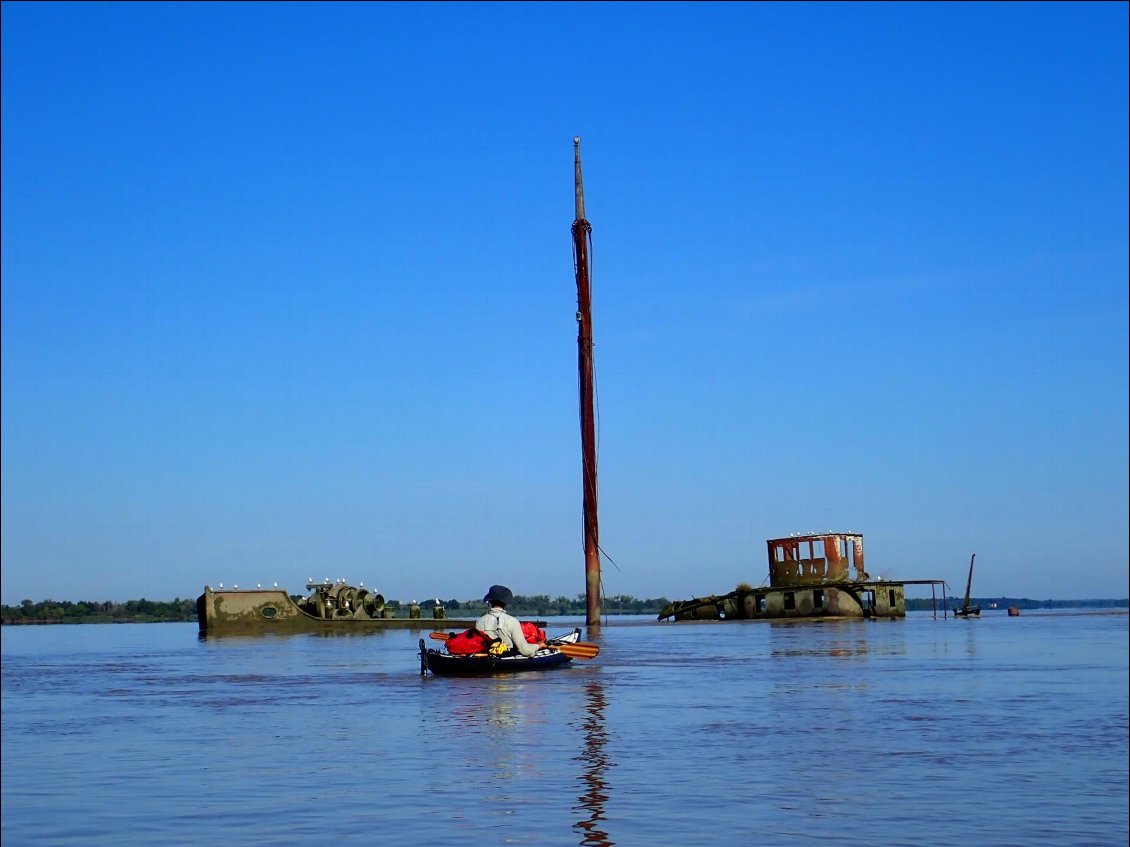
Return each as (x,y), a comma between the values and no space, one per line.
(998,731)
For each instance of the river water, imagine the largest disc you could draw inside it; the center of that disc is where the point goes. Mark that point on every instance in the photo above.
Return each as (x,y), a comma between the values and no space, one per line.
(997,731)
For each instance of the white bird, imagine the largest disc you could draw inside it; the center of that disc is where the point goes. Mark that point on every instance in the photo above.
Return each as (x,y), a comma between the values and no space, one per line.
(221,585)
(235,586)
(258,585)
(362,585)
(276,585)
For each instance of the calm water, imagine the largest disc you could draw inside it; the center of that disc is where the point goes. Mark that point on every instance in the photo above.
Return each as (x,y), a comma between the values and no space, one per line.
(998,731)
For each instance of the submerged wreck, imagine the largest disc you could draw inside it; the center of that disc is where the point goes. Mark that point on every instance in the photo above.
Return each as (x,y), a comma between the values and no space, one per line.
(818,575)
(967,609)
(330,607)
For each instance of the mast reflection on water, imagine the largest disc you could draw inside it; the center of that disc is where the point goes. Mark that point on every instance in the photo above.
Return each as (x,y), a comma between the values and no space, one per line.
(594,763)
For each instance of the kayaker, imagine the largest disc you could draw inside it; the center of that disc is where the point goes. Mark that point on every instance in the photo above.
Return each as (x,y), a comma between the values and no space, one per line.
(496,623)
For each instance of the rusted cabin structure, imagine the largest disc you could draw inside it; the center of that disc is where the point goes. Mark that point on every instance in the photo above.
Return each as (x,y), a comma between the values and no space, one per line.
(814,575)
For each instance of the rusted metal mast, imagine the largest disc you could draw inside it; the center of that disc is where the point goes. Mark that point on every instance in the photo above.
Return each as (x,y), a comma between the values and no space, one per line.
(582,235)
(968,586)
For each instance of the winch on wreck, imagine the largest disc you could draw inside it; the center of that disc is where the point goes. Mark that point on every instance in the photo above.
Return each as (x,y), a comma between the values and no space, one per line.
(337,601)
(330,607)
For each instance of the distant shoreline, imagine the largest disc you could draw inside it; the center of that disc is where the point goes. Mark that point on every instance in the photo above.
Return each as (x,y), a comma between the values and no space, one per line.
(52,612)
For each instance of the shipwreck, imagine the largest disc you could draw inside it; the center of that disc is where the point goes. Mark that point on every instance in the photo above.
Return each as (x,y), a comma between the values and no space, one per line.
(330,607)
(815,575)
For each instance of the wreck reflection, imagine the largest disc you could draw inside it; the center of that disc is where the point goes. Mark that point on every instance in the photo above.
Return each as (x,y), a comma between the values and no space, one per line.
(594,762)
(835,639)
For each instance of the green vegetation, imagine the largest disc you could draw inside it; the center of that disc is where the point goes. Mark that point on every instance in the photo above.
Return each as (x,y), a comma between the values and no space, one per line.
(539,605)
(89,611)
(918,604)
(152,611)
(542,606)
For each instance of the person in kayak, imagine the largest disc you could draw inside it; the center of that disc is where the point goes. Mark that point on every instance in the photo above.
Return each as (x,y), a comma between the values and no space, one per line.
(496,623)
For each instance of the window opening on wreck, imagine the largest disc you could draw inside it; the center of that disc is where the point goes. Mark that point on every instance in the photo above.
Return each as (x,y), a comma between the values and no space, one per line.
(269,611)
(868,598)
(818,598)
(762,607)
(790,600)
(891,598)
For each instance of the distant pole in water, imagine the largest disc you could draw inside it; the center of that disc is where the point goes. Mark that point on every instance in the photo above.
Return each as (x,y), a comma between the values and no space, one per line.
(582,237)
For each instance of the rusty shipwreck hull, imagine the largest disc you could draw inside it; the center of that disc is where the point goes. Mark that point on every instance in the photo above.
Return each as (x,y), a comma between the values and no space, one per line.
(878,599)
(259,611)
(811,575)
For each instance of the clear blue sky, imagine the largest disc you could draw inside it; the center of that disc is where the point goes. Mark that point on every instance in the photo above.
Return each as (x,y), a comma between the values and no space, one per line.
(288,292)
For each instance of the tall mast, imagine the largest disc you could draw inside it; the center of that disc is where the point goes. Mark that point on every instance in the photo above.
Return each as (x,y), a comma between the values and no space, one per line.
(968,584)
(582,236)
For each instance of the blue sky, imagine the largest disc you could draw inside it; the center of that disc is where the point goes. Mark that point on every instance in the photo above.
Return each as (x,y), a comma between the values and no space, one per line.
(288,292)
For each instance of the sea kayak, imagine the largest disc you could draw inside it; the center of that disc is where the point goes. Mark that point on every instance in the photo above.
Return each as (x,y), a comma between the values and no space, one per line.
(442,663)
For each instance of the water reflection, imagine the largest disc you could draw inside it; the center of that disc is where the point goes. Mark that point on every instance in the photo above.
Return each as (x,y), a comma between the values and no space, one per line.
(842,653)
(501,714)
(970,640)
(817,641)
(594,762)
(836,640)
(487,710)
(252,637)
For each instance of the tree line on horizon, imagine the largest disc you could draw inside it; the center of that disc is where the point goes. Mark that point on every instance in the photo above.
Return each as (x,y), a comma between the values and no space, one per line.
(92,611)
(181,611)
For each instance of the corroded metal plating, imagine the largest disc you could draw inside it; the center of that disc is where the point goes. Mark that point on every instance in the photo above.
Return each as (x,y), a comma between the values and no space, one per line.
(582,235)
(811,575)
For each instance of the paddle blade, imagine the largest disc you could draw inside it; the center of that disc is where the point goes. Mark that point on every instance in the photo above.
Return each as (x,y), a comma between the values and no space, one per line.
(577,651)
